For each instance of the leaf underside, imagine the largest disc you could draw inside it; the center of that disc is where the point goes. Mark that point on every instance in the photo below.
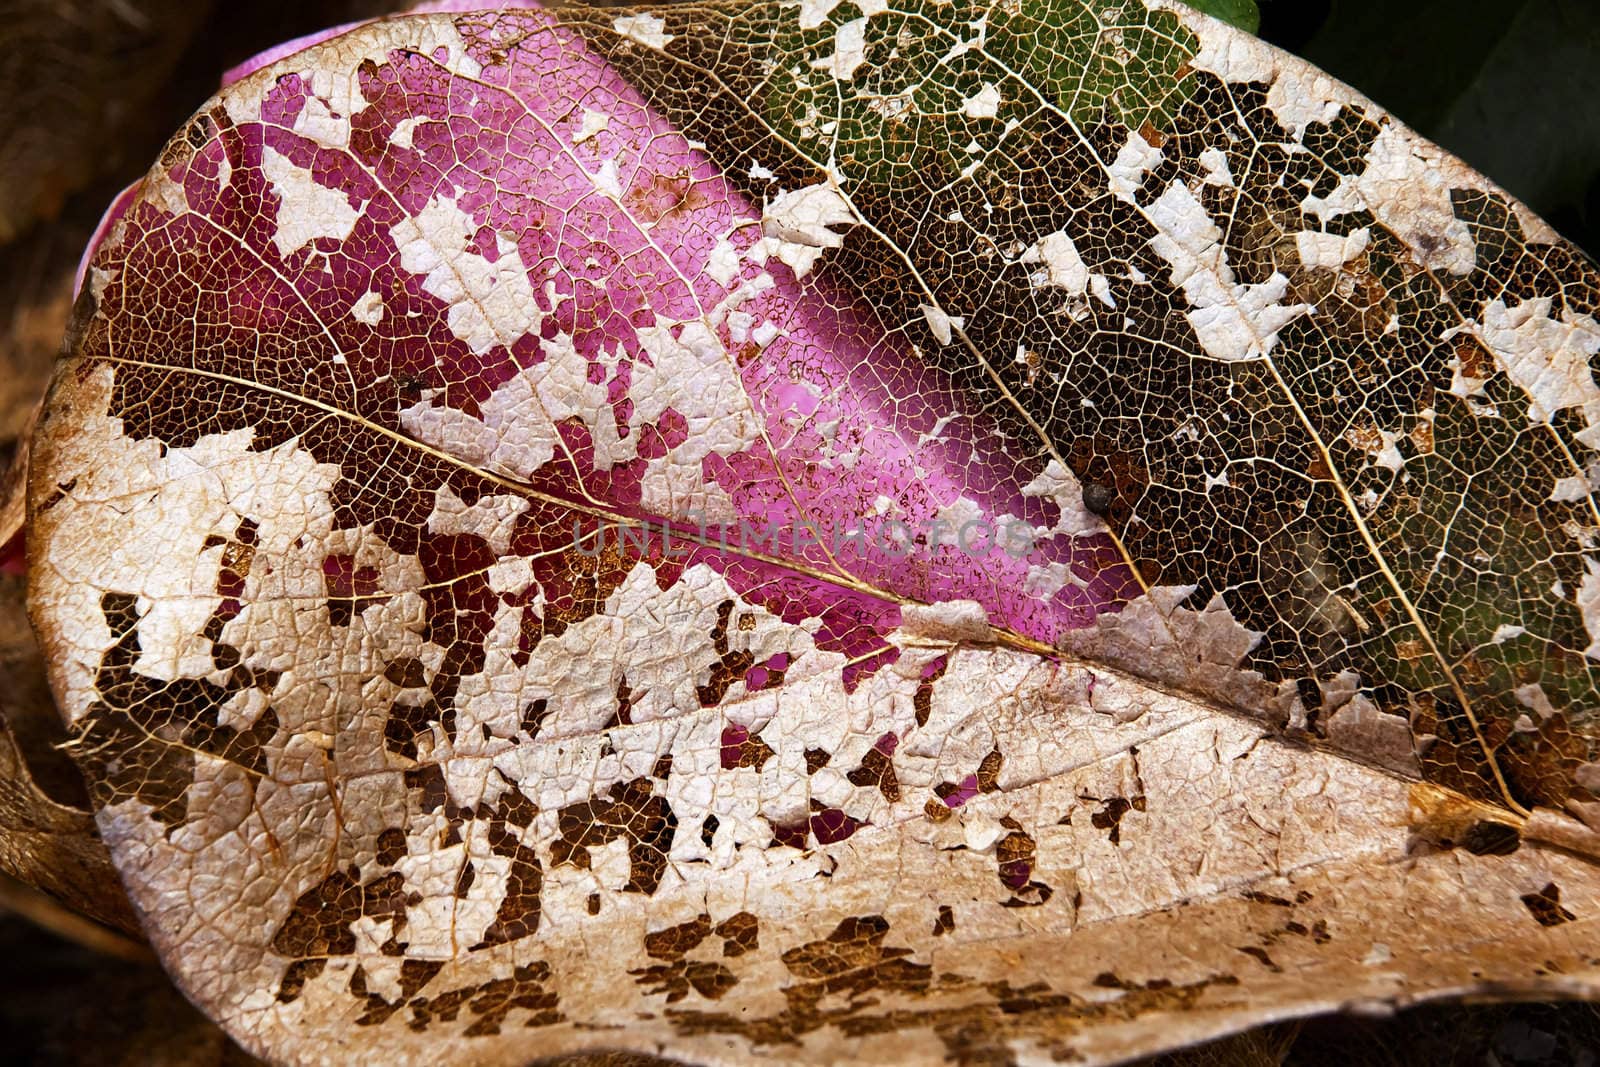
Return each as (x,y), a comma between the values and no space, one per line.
(798,315)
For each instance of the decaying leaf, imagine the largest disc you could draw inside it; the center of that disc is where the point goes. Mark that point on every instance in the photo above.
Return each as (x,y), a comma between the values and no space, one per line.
(839,531)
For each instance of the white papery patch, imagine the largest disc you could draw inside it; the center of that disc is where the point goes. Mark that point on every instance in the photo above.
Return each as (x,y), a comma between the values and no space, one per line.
(1330,251)
(325,115)
(607,180)
(1301,95)
(592,124)
(1215,162)
(813,13)
(368,309)
(1411,197)
(1589,604)
(1547,358)
(1232,321)
(648,30)
(492,518)
(690,372)
(1059,484)
(941,323)
(1406,185)
(1298,94)
(1577,486)
(798,225)
(307,210)
(1381,446)
(185,495)
(1135,159)
(490,303)
(439,923)
(659,640)
(849,51)
(722,266)
(515,432)
(1063,268)
(404,130)
(984,104)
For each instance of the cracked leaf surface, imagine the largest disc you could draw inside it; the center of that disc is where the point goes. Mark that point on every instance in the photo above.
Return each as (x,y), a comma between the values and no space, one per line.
(815,528)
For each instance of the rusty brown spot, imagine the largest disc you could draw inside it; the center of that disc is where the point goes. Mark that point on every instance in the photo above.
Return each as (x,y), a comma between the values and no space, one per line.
(1260,955)
(1473,360)
(877,769)
(655,197)
(740,933)
(1411,650)
(675,942)
(989,771)
(1448,819)
(1422,437)
(1545,906)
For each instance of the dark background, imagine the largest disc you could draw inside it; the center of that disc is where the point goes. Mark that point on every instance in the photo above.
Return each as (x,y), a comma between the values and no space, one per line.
(1510,86)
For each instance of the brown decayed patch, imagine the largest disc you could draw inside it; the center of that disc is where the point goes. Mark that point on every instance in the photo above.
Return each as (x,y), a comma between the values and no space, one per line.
(877,769)
(139,740)
(740,749)
(656,197)
(922,699)
(844,979)
(519,911)
(732,665)
(1015,855)
(491,1003)
(740,933)
(1545,906)
(677,975)
(1109,816)
(628,810)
